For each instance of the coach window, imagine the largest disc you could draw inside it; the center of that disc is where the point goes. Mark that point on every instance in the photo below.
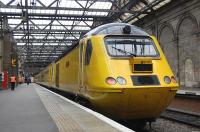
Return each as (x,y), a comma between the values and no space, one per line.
(88,52)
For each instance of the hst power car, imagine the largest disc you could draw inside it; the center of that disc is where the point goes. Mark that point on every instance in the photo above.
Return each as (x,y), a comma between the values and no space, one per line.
(119,69)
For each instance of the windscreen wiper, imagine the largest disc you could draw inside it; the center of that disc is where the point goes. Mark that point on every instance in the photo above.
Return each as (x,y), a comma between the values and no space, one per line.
(125,52)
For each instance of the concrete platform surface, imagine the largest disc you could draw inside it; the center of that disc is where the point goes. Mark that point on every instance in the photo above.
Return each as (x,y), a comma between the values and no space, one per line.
(21,110)
(32,108)
(189,91)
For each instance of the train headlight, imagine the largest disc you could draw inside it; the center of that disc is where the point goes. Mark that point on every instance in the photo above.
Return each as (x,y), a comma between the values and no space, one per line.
(121,80)
(110,80)
(173,79)
(167,79)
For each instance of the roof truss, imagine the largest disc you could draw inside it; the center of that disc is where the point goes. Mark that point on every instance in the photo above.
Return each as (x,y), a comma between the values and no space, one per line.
(43,30)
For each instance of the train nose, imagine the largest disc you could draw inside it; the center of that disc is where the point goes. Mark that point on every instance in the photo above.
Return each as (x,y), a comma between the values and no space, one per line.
(150,103)
(146,103)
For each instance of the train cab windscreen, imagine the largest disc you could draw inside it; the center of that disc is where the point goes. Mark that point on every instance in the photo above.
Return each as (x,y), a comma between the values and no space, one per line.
(118,46)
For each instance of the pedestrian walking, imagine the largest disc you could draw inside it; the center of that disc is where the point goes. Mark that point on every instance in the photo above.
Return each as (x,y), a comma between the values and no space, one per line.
(20,80)
(12,82)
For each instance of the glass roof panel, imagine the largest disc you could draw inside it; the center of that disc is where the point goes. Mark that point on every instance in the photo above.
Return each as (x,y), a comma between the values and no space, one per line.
(17,37)
(54,5)
(39,37)
(69,4)
(149,1)
(21,43)
(66,22)
(4,1)
(16,21)
(41,21)
(46,2)
(101,5)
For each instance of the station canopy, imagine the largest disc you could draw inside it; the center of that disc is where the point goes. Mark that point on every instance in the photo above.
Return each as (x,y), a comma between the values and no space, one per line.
(44,29)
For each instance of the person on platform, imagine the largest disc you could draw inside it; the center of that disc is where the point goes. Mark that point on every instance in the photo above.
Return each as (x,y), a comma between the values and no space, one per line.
(27,80)
(20,79)
(12,82)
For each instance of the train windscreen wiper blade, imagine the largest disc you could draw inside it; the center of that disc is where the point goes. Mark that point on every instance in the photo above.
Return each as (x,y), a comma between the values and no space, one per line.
(125,52)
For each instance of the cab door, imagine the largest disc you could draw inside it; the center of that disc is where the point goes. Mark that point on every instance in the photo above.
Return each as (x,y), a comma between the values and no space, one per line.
(57,75)
(81,66)
(84,59)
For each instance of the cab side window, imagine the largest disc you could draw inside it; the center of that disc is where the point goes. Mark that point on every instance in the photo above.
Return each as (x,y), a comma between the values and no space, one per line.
(88,52)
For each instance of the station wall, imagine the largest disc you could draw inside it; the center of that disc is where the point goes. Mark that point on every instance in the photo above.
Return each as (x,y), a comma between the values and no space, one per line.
(176,25)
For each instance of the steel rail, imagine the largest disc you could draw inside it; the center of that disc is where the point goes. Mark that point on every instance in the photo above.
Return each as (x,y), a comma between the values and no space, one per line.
(182,117)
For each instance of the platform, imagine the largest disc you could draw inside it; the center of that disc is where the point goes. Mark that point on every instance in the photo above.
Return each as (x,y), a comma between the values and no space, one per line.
(32,108)
(189,91)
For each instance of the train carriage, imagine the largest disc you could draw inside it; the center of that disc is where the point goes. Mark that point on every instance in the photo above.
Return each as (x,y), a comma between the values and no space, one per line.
(119,69)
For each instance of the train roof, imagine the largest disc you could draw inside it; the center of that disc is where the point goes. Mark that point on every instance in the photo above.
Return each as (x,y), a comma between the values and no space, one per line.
(116,28)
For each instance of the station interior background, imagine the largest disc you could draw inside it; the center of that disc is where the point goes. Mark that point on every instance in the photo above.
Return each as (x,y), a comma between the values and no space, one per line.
(176,24)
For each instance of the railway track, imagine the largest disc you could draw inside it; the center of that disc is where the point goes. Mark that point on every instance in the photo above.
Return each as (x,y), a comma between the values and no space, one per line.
(182,117)
(188,95)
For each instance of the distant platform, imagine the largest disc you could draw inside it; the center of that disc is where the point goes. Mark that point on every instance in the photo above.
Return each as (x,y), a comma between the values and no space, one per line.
(32,108)
(189,91)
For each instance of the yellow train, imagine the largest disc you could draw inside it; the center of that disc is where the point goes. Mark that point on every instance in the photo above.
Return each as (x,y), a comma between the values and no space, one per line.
(119,69)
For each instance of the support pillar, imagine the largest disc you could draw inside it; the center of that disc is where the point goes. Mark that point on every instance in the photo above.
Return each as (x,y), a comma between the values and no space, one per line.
(8,47)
